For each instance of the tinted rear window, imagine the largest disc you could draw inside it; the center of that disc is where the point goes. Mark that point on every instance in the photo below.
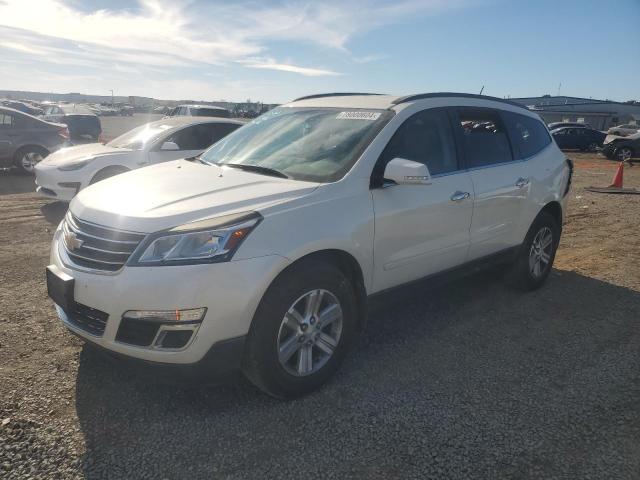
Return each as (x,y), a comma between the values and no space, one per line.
(528,135)
(81,124)
(211,112)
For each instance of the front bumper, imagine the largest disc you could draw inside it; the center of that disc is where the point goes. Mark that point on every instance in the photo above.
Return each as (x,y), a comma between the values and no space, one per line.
(231,292)
(52,183)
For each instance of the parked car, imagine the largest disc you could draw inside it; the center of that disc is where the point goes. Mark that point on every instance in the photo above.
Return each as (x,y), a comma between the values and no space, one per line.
(554,125)
(25,140)
(199,111)
(84,125)
(622,148)
(63,174)
(261,255)
(624,130)
(22,107)
(578,138)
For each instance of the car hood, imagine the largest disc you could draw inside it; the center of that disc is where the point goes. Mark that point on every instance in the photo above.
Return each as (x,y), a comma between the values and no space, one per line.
(78,152)
(179,192)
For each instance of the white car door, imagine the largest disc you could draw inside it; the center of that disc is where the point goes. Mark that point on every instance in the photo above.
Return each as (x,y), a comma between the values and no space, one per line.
(421,229)
(500,181)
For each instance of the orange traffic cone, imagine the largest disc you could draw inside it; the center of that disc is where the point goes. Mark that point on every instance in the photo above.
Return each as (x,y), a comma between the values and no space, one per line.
(617,178)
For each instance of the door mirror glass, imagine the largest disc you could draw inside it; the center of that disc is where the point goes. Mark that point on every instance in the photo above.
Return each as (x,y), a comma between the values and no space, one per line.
(407,172)
(170,146)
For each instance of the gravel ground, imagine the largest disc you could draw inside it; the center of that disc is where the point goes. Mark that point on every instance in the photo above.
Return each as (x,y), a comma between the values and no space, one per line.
(469,380)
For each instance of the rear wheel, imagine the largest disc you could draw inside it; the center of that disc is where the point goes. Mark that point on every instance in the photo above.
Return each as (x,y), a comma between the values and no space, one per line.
(624,154)
(536,255)
(592,147)
(28,157)
(301,330)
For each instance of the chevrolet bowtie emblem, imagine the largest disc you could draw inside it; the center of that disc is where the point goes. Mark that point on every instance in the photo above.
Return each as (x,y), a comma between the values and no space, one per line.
(71,241)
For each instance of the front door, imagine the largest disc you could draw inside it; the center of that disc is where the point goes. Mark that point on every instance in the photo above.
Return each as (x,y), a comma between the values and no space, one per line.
(421,229)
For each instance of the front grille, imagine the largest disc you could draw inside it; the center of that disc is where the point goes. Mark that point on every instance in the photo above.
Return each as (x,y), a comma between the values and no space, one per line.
(89,319)
(96,247)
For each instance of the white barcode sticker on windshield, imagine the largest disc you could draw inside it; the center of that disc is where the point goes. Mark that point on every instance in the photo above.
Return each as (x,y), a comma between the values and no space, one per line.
(358,115)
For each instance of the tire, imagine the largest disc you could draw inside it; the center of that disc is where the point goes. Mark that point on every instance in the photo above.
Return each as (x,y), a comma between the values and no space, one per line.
(26,158)
(624,154)
(107,172)
(273,350)
(592,147)
(524,275)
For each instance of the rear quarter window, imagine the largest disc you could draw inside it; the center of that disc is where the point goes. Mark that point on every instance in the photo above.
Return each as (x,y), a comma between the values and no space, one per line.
(528,135)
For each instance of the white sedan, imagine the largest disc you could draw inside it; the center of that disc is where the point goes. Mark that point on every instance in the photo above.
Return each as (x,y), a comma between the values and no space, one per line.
(64,173)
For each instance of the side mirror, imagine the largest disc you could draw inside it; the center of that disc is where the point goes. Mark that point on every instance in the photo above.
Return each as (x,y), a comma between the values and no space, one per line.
(169,146)
(407,172)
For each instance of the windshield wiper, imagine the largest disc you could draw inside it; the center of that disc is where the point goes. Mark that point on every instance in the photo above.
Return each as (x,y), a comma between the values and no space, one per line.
(256,168)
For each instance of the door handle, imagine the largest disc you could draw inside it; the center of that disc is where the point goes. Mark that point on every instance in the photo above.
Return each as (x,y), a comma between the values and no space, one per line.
(522,182)
(459,196)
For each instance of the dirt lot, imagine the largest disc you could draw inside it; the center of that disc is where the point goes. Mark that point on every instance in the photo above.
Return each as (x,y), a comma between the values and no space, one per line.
(469,380)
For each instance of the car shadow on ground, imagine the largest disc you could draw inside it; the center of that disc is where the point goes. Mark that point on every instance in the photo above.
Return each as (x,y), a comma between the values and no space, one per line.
(54,212)
(470,379)
(12,182)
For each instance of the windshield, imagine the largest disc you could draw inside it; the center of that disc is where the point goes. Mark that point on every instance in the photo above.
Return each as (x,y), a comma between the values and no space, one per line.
(312,144)
(137,138)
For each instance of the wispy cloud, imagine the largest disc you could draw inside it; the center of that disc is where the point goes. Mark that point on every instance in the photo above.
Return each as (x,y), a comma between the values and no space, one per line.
(177,35)
(271,64)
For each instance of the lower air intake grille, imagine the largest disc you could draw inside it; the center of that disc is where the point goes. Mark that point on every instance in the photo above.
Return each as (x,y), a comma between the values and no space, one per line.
(89,319)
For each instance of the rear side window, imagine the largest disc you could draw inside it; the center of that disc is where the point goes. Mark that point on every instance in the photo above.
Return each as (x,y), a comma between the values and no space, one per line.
(199,137)
(6,120)
(484,137)
(528,135)
(426,137)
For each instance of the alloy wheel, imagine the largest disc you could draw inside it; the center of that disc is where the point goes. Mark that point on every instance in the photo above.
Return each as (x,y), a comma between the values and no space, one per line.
(310,332)
(29,161)
(624,153)
(540,252)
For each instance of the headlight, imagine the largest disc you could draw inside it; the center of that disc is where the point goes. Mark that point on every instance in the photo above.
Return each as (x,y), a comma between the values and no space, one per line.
(77,165)
(206,241)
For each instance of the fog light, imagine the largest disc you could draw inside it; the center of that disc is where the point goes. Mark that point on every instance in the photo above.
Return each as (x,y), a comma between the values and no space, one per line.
(183,316)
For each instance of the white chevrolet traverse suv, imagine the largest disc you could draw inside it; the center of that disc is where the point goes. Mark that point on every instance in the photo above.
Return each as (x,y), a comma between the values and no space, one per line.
(260,254)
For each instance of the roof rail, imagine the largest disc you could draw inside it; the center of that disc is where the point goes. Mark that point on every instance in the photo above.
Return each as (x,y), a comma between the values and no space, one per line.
(420,96)
(345,94)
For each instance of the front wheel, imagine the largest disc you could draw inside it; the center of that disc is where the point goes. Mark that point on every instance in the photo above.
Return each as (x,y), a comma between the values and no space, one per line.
(536,255)
(301,330)
(592,147)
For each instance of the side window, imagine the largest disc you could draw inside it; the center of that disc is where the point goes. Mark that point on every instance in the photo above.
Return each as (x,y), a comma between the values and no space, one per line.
(195,137)
(528,135)
(7,121)
(426,137)
(483,137)
(216,131)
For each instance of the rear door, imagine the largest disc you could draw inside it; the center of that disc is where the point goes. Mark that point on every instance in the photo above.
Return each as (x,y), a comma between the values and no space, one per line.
(500,181)
(421,229)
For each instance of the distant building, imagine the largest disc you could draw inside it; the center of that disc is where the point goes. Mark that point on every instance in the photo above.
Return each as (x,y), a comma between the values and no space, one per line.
(600,114)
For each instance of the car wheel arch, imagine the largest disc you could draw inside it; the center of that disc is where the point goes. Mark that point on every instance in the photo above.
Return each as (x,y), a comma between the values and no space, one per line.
(116,169)
(555,210)
(347,264)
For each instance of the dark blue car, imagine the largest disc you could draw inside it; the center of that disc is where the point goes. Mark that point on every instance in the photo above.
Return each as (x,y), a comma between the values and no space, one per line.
(578,138)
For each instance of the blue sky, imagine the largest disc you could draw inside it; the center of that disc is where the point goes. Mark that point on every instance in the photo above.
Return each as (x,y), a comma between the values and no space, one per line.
(275,51)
